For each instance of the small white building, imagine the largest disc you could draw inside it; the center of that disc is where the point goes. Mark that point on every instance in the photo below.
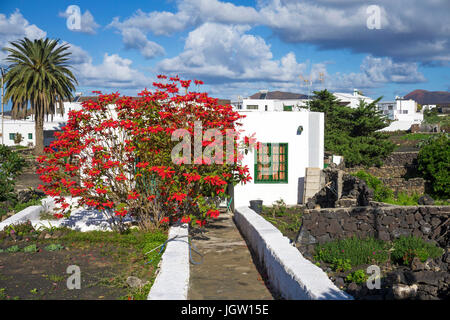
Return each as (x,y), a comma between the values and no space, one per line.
(26,127)
(403,112)
(294,142)
(352,100)
(266,100)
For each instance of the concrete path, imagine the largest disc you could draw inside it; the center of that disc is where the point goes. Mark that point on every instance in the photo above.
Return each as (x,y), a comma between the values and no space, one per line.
(228,271)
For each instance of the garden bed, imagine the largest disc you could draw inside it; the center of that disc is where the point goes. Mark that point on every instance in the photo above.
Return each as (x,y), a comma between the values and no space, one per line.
(33,263)
(410,268)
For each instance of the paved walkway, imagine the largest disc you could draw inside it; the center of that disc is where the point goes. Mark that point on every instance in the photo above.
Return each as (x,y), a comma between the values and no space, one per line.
(227,271)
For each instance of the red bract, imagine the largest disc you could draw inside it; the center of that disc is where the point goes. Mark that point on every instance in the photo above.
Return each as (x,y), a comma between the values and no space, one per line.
(116,155)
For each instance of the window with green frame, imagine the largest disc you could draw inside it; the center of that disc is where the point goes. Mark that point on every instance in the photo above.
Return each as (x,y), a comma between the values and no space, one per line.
(12,136)
(271,163)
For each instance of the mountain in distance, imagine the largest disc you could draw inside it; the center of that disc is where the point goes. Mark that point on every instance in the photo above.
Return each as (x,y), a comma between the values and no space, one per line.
(429,97)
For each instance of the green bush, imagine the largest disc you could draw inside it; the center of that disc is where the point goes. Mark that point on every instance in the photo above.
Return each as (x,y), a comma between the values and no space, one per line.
(407,248)
(403,199)
(11,162)
(434,164)
(339,265)
(381,192)
(353,133)
(359,276)
(357,251)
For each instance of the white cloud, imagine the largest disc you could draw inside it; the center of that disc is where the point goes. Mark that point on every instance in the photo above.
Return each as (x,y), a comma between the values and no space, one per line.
(87,23)
(134,39)
(190,13)
(418,31)
(16,27)
(113,72)
(217,51)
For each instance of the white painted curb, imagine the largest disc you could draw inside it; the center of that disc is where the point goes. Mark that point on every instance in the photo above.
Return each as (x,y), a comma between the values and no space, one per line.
(30,213)
(293,276)
(172,281)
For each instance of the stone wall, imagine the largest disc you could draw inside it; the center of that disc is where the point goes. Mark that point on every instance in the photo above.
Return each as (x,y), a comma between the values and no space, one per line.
(399,173)
(401,159)
(410,186)
(385,223)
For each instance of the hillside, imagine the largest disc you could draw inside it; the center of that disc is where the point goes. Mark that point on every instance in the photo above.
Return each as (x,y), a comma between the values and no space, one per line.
(429,97)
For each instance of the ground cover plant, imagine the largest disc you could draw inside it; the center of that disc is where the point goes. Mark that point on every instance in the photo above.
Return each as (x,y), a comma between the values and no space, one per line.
(286,219)
(37,260)
(121,148)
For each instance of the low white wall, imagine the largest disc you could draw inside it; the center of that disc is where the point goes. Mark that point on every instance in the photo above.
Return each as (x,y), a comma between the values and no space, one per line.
(172,281)
(293,276)
(30,213)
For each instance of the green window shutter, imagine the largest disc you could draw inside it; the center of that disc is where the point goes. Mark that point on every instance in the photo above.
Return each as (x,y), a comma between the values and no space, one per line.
(30,136)
(12,136)
(287,108)
(267,169)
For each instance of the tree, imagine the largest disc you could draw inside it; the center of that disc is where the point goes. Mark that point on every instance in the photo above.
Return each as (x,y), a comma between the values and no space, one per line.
(38,76)
(353,133)
(120,156)
(434,164)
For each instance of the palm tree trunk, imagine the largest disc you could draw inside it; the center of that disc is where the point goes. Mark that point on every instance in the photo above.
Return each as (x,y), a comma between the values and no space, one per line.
(39,133)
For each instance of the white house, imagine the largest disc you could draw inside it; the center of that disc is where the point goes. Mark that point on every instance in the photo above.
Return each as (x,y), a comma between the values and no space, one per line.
(352,100)
(293,141)
(403,112)
(266,100)
(26,127)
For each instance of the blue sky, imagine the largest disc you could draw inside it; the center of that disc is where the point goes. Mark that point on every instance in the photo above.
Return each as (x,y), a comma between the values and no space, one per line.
(239,47)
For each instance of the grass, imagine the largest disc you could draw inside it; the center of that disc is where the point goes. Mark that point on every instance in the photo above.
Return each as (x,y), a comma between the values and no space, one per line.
(356,251)
(415,136)
(344,254)
(385,194)
(406,248)
(286,219)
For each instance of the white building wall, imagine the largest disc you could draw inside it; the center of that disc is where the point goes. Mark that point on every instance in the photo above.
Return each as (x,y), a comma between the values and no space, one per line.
(353,100)
(404,112)
(27,126)
(272,105)
(305,150)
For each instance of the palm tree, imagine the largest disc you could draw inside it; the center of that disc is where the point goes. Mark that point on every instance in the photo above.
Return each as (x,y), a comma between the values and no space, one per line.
(38,76)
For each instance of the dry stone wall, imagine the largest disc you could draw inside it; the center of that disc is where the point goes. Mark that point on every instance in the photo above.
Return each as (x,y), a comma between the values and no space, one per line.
(385,223)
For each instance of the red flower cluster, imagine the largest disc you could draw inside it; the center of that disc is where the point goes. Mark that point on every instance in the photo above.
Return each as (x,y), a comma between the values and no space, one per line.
(123,163)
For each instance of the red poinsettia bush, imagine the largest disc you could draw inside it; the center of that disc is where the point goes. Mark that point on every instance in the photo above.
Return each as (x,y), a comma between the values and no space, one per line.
(163,156)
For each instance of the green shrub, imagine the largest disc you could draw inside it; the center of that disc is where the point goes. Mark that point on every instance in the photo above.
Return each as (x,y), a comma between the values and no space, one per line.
(434,164)
(30,248)
(403,199)
(11,162)
(357,251)
(358,277)
(13,249)
(339,265)
(407,248)
(381,192)
(54,247)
